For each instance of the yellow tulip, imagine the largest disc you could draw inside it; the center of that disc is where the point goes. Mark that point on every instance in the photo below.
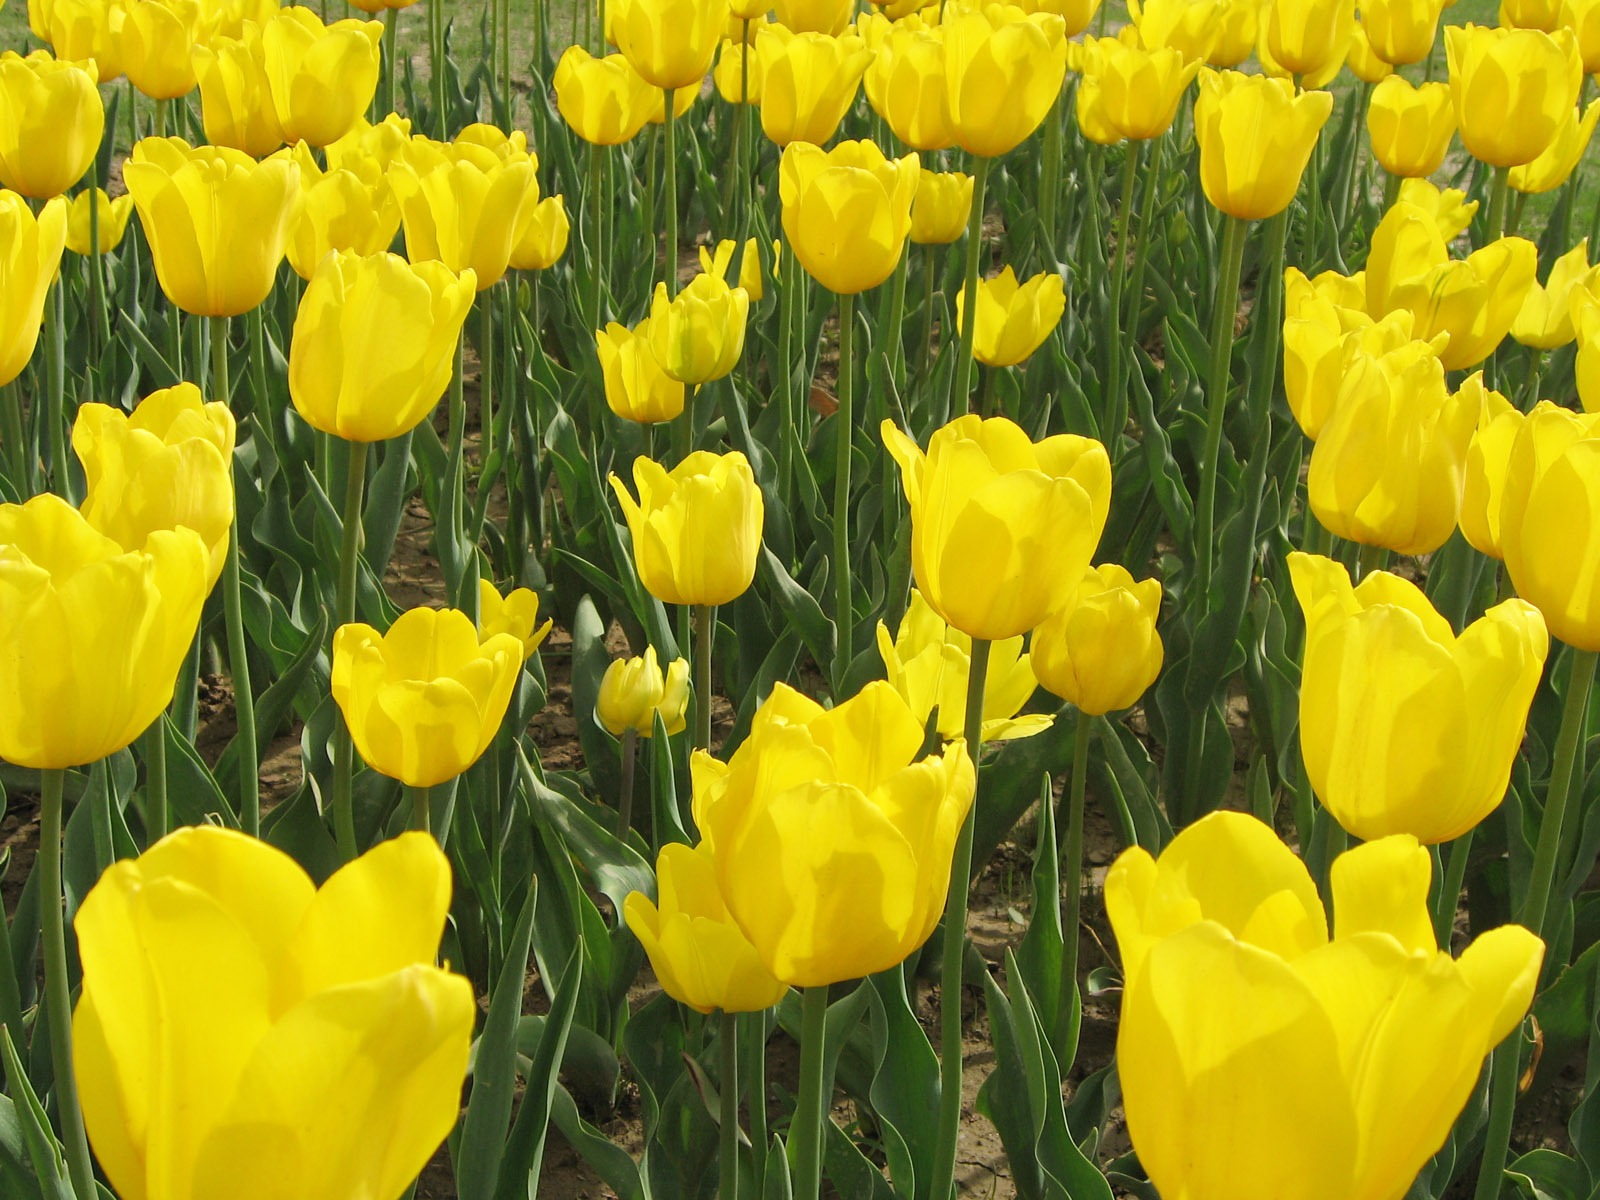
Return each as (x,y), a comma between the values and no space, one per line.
(1190,27)
(545,240)
(313,1000)
(905,86)
(347,208)
(1305,36)
(424,700)
(669,42)
(738,73)
(604,100)
(697,529)
(633,692)
(846,211)
(1237,31)
(1013,319)
(1002,528)
(929,664)
(1513,88)
(698,335)
(1545,320)
(1077,14)
(77,686)
(1100,651)
(30,256)
(1089,108)
(1588,361)
(1003,73)
(113,219)
(516,613)
(699,956)
(1363,61)
(1256,137)
(832,846)
(82,31)
(637,389)
(236,93)
(1245,1025)
(682,101)
(51,120)
(1543,15)
(169,465)
(749,265)
(808,83)
(374,343)
(754,11)
(230,18)
(216,220)
(1410,125)
(1447,208)
(157,36)
(941,207)
(1140,89)
(1583,18)
(379,144)
(321,77)
(1319,317)
(1561,157)
(1401,31)
(1488,455)
(829,17)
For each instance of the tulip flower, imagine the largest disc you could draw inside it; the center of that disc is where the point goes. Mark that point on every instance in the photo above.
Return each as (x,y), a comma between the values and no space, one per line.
(1003,72)
(1305,36)
(516,613)
(1583,18)
(229,18)
(1545,320)
(1013,319)
(1447,208)
(1513,88)
(929,663)
(1256,137)
(846,211)
(1077,14)
(699,956)
(637,389)
(1089,107)
(832,846)
(545,240)
(1587,366)
(905,86)
(682,101)
(1544,15)
(604,100)
(737,73)
(697,529)
(698,335)
(940,209)
(829,17)
(1410,126)
(374,343)
(808,83)
(51,120)
(167,466)
(236,93)
(1561,157)
(82,31)
(424,700)
(113,221)
(351,208)
(157,37)
(717,263)
(1190,27)
(1243,1024)
(1002,528)
(1319,316)
(30,256)
(1549,527)
(1236,32)
(322,77)
(1401,31)
(1488,455)
(77,686)
(633,692)
(213,966)
(669,42)
(1140,89)
(1100,651)
(381,144)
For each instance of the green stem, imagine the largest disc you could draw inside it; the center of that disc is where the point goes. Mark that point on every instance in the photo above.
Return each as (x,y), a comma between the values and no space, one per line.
(160,128)
(597,244)
(55,321)
(58,987)
(419,807)
(1116,402)
(929,290)
(21,462)
(753,1059)
(704,623)
(1372,558)
(1072,861)
(344,825)
(811,1105)
(961,390)
(1050,178)
(670,181)
(436,63)
(100,325)
(1224,305)
(630,758)
(1497,202)
(741,121)
(843,616)
(391,65)
(789,285)
(485,375)
(1391,190)
(728,1081)
(156,817)
(1444,915)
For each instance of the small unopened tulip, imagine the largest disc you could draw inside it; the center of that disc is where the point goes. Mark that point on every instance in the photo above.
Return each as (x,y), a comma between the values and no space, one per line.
(351,207)
(236,93)
(516,613)
(738,73)
(1190,27)
(634,692)
(1101,650)
(829,17)
(1561,157)
(846,211)
(112,217)
(905,86)
(808,83)
(157,37)
(1013,319)
(1401,31)
(636,387)
(942,207)
(545,239)
(717,263)
(669,42)
(1410,125)
(31,260)
(1545,320)
(1583,18)
(1140,89)
(604,100)
(1488,455)
(698,335)
(1302,36)
(1004,71)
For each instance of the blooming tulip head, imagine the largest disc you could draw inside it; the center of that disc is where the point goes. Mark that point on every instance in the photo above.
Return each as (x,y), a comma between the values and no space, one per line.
(1002,528)
(698,335)
(516,613)
(808,82)
(941,208)
(1003,71)
(350,207)
(669,42)
(1140,89)
(1013,319)
(846,211)
(1561,157)
(30,256)
(1245,1025)
(82,31)
(1583,18)
(236,93)
(1401,31)
(696,529)
(1587,364)
(1256,137)
(829,17)
(718,261)
(633,692)
(637,389)
(51,121)
(213,966)
(1320,317)
(1405,727)
(1543,15)
(832,846)
(1101,650)
(1190,27)
(1545,320)
(424,700)
(1488,455)
(112,216)
(738,73)
(77,686)
(1410,125)
(374,343)
(1305,36)
(1513,88)
(604,100)
(905,86)
(322,77)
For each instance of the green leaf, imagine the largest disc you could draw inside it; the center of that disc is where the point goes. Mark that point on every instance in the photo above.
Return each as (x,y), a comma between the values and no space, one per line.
(32,1126)
(524,1153)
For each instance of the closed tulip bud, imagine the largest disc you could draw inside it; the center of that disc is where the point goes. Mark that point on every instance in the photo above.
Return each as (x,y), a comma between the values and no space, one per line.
(808,83)
(1190,27)
(169,465)
(1513,88)
(1587,366)
(30,256)
(1316,327)
(113,220)
(754,11)
(697,529)
(82,31)
(1002,528)
(942,206)
(830,17)
(669,42)
(1583,18)
(1013,319)
(1544,15)
(1410,125)
(1076,14)
(1101,650)
(516,613)
(846,211)
(1256,136)
(1545,320)
(1238,23)
(1405,727)
(545,239)
(1561,157)
(749,265)
(633,692)
(424,700)
(905,86)
(1319,80)
(1363,61)
(604,100)
(51,120)
(698,335)
(1090,109)
(216,220)
(1228,967)
(374,343)
(1488,455)
(1401,31)
(322,77)
(1003,73)
(465,206)
(929,664)
(1304,36)
(637,389)
(231,18)
(236,94)
(157,36)
(277,999)
(349,208)
(77,686)
(699,955)
(832,846)
(738,74)
(1140,89)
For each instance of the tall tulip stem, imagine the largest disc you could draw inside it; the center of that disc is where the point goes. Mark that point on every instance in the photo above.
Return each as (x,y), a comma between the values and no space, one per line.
(630,759)
(55,325)
(57,987)
(419,797)
(753,1063)
(1444,916)
(391,65)
(811,1105)
(1072,860)
(344,824)
(704,623)
(1224,305)
(436,64)
(669,135)
(961,391)
(728,1081)
(1499,192)
(485,375)
(597,248)
(1116,401)
(99,323)
(843,616)
(1050,179)
(955,939)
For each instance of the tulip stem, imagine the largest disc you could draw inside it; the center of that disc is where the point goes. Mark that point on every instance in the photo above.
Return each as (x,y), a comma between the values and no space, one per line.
(741,118)
(669,135)
(155,782)
(436,64)
(753,1029)
(1049,181)
(20,460)
(419,807)
(1370,559)
(55,319)
(1072,863)
(1134,296)
(630,758)
(485,378)
(811,1105)
(1498,193)
(843,616)
(1224,305)
(597,248)
(1444,917)
(99,326)
(728,1081)
(925,343)
(1116,402)
(344,824)
(961,391)
(390,62)
(955,938)
(57,987)
(703,627)
(790,423)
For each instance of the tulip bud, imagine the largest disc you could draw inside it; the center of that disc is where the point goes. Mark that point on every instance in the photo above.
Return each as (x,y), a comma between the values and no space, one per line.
(322,77)
(1003,72)
(545,240)
(1077,14)
(1513,88)
(1305,36)
(1100,651)
(1013,320)
(1583,18)
(1140,89)
(1256,137)
(1401,31)
(738,74)
(112,218)
(941,208)
(1410,125)
(82,31)
(1363,61)
(1545,320)
(633,692)
(846,211)
(1561,157)
(905,86)
(669,42)
(51,120)
(236,93)
(1488,455)
(32,257)
(1543,15)
(157,37)
(698,335)
(1587,366)
(808,83)
(1190,27)
(749,265)
(637,389)
(516,613)
(604,100)
(829,17)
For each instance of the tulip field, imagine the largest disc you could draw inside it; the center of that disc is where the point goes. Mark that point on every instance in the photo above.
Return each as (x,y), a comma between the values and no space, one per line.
(781,599)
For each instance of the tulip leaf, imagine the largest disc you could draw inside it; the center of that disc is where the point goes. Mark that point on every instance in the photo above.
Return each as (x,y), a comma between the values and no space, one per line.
(524,1152)
(1545,1174)
(905,1083)
(32,1127)
(192,790)
(778,1185)
(161,371)
(1041,954)
(16,1172)
(666,811)
(590,658)
(611,1162)
(853,1175)
(614,866)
